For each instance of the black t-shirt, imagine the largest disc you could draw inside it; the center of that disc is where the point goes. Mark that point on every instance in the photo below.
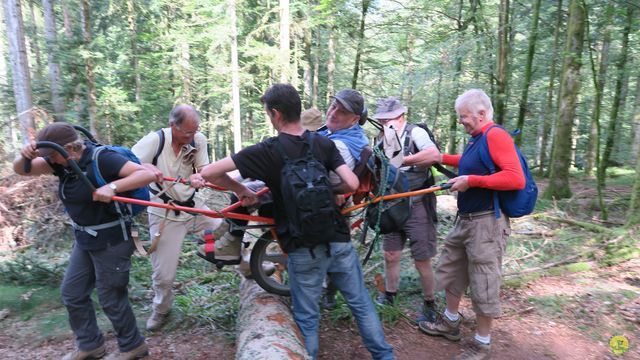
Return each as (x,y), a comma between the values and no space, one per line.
(77,197)
(263,162)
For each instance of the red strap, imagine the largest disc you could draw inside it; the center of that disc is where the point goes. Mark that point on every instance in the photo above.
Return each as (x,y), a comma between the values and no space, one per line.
(209,241)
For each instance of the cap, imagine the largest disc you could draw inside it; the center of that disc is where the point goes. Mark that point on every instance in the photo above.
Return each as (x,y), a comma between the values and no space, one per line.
(351,100)
(60,133)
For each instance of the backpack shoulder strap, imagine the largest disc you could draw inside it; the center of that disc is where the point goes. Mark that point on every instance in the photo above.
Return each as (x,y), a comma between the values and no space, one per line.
(94,165)
(485,157)
(160,146)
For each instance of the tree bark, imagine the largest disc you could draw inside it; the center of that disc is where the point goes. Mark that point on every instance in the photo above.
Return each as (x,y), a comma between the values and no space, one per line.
(599,83)
(617,97)
(503,49)
(633,215)
(356,66)
(331,65)
(635,146)
(453,119)
(133,44)
(569,89)
(308,61)
(285,57)
(550,108)
(533,38)
(19,66)
(266,329)
(33,43)
(88,64)
(235,78)
(52,56)
(316,72)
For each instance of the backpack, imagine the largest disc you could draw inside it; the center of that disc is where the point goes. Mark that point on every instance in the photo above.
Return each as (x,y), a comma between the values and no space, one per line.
(448,173)
(141,193)
(514,203)
(309,200)
(396,212)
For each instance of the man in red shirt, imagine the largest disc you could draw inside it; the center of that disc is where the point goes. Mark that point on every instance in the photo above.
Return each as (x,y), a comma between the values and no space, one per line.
(472,254)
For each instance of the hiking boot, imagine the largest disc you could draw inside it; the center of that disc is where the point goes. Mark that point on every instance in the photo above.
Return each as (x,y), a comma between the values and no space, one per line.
(329,300)
(137,353)
(78,354)
(228,247)
(385,299)
(474,350)
(442,327)
(156,321)
(429,311)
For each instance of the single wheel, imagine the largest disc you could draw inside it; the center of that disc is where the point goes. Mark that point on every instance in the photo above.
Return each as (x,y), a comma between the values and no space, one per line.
(265,254)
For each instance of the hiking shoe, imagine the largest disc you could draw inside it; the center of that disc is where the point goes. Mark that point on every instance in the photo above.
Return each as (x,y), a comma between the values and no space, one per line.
(329,300)
(228,247)
(78,354)
(429,311)
(385,299)
(442,327)
(474,350)
(137,353)
(156,321)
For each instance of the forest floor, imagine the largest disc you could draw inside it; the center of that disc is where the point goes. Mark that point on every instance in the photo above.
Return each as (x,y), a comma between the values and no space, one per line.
(569,311)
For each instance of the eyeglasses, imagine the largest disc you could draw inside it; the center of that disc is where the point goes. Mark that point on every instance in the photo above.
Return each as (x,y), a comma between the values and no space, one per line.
(188,133)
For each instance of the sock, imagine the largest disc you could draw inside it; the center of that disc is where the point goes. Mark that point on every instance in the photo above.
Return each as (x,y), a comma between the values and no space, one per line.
(450,316)
(486,340)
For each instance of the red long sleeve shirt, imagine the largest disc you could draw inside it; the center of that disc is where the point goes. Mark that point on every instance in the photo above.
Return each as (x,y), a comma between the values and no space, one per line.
(509,175)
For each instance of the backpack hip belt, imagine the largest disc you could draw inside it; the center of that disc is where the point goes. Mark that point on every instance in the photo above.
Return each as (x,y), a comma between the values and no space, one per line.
(168,200)
(93,229)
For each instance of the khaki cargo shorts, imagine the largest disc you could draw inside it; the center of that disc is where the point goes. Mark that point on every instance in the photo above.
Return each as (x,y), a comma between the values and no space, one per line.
(472,256)
(419,230)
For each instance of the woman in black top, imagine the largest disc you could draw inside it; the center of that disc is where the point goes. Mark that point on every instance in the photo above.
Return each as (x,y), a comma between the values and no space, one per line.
(101,256)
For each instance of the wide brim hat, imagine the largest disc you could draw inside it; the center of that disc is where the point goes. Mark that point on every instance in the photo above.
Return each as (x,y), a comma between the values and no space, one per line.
(389,108)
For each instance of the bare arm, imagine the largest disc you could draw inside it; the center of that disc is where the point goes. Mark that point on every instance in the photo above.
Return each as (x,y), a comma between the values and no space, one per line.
(349,182)
(217,173)
(39,165)
(132,176)
(424,158)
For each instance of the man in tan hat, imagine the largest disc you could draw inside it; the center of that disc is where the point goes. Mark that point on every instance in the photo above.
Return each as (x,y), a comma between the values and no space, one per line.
(408,143)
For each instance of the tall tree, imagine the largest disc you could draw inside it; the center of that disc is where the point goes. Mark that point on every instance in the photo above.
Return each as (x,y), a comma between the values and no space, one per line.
(569,89)
(331,64)
(308,60)
(55,82)
(635,145)
(285,56)
(549,108)
(360,39)
(92,106)
(453,118)
(617,96)
(633,215)
(599,80)
(33,42)
(533,38)
(19,66)
(133,44)
(235,78)
(503,51)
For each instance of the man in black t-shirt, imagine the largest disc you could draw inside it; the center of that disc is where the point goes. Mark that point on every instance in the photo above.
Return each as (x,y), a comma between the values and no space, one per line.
(306,269)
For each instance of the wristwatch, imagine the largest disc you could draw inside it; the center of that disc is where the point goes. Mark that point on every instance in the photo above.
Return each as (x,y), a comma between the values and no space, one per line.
(113,187)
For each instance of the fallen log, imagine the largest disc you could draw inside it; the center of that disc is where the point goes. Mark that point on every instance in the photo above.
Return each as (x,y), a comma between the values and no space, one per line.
(265,326)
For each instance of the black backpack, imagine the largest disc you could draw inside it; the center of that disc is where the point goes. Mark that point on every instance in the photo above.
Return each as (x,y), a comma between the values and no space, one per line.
(308,198)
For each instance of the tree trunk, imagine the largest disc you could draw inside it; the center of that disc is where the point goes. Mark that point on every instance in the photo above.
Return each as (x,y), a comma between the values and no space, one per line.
(331,65)
(52,51)
(436,112)
(635,146)
(19,66)
(235,78)
(308,61)
(88,64)
(599,81)
(633,215)
(285,57)
(453,119)
(356,66)
(569,89)
(266,329)
(33,43)
(617,98)
(133,57)
(316,72)
(549,108)
(533,37)
(503,49)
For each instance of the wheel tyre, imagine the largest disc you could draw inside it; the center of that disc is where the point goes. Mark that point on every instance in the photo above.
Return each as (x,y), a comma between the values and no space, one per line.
(266,249)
